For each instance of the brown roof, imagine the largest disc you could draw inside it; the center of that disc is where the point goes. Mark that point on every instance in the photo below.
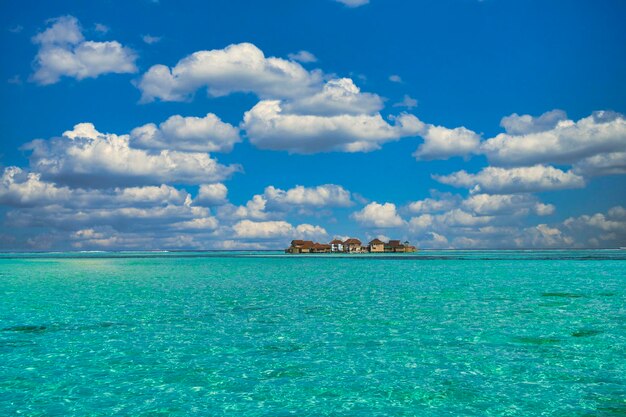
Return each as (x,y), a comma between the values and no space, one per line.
(336,242)
(394,243)
(376,242)
(303,243)
(352,241)
(321,246)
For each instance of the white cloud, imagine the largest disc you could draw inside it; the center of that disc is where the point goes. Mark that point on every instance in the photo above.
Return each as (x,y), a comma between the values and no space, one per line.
(63,51)
(299,111)
(303,56)
(192,134)
(353,3)
(421,223)
(614,221)
(525,124)
(272,229)
(152,218)
(612,163)
(236,68)
(495,180)
(395,78)
(19,188)
(327,195)
(202,223)
(458,217)
(517,204)
(496,222)
(338,96)
(447,222)
(435,241)
(88,157)
(552,138)
(149,39)
(269,128)
(443,143)
(309,230)
(275,203)
(544,236)
(407,101)
(105,237)
(211,194)
(254,209)
(442,202)
(379,215)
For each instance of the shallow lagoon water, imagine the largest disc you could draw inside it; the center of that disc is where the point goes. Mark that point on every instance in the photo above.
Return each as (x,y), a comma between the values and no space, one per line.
(438,333)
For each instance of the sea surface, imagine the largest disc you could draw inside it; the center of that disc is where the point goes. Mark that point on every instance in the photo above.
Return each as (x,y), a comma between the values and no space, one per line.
(437,333)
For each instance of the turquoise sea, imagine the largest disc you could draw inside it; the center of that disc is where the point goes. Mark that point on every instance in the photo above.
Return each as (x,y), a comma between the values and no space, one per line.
(437,333)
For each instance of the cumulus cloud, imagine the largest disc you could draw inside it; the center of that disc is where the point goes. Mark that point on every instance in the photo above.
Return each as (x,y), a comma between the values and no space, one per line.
(439,202)
(105,237)
(327,195)
(442,143)
(253,209)
(458,217)
(236,68)
(19,188)
(612,163)
(63,51)
(519,204)
(525,124)
(379,215)
(211,194)
(272,229)
(150,217)
(201,224)
(300,111)
(496,180)
(191,134)
(395,78)
(487,221)
(543,236)
(481,221)
(592,146)
(483,204)
(600,229)
(275,202)
(338,96)
(552,138)
(121,217)
(303,56)
(269,128)
(84,156)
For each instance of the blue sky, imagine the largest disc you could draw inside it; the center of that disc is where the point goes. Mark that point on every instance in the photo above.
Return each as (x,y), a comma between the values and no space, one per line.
(237,124)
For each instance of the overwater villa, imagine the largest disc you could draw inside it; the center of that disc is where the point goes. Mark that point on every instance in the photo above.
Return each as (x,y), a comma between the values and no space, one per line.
(351,245)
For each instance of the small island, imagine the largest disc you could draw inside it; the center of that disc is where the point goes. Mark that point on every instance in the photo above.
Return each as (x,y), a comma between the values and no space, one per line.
(351,245)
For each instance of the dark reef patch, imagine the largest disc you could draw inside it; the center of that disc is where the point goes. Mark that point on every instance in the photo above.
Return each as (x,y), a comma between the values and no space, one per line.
(25,328)
(536,340)
(561,295)
(586,333)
